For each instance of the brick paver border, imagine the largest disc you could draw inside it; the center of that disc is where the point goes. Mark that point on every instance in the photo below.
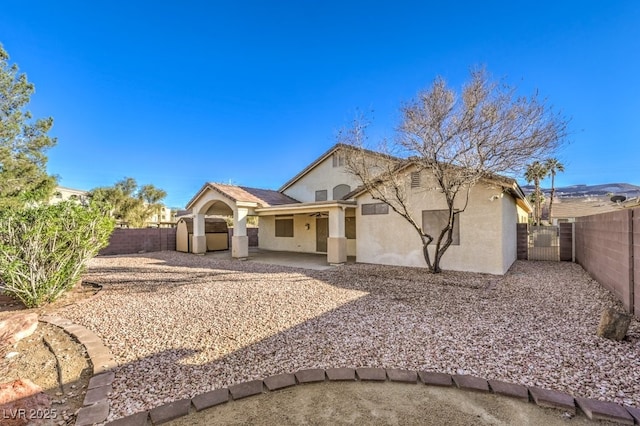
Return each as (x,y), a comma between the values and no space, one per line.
(96,401)
(593,409)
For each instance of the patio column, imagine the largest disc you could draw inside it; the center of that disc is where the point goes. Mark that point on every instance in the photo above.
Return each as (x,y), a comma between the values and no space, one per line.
(199,239)
(240,240)
(337,241)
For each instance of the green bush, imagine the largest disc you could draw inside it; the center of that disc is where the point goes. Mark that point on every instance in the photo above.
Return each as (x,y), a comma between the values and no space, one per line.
(45,249)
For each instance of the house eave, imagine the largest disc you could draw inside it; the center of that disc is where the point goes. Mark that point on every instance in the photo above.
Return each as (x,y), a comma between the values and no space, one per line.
(310,167)
(302,208)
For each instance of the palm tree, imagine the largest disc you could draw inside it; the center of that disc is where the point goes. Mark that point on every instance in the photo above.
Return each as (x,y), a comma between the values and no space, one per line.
(553,166)
(535,172)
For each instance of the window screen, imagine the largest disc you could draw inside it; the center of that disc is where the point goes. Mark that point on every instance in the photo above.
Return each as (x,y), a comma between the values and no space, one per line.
(321,195)
(375,208)
(284,226)
(339,191)
(434,221)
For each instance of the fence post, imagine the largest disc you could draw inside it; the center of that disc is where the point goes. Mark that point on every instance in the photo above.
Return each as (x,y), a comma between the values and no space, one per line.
(633,297)
(573,242)
(522,241)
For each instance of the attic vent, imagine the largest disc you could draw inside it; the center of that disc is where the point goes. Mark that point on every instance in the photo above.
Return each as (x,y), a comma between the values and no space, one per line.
(338,159)
(415,179)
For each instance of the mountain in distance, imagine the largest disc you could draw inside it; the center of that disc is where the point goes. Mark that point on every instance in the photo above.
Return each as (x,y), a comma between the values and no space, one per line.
(626,189)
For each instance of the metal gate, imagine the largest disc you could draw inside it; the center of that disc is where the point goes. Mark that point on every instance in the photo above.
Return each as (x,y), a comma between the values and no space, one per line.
(544,243)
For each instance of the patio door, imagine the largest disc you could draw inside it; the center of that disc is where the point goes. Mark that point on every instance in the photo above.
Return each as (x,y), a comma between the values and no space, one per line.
(322,233)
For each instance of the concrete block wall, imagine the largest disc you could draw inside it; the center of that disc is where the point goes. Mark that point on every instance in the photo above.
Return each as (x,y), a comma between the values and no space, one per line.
(566,242)
(605,247)
(252,233)
(522,236)
(127,241)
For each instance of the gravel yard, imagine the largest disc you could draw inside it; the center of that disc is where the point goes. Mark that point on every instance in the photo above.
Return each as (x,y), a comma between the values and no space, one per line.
(180,325)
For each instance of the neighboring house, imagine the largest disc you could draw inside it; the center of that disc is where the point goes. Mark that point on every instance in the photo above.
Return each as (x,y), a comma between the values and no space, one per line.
(321,210)
(164,217)
(567,209)
(62,193)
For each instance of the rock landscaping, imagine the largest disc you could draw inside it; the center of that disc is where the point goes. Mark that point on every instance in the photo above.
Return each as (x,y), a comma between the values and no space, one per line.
(181,325)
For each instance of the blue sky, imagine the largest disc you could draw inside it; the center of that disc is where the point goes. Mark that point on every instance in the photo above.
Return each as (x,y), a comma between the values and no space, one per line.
(180,93)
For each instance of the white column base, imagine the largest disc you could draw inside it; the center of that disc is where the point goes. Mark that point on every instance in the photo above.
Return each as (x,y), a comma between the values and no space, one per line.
(336,250)
(199,244)
(240,246)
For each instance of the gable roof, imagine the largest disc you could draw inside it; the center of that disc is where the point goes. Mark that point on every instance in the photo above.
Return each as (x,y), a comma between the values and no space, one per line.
(509,185)
(323,157)
(262,197)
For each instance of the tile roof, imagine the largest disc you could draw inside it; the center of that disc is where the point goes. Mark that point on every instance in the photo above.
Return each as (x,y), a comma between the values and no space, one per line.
(264,197)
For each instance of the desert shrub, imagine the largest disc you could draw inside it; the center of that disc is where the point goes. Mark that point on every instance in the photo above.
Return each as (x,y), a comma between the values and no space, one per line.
(45,249)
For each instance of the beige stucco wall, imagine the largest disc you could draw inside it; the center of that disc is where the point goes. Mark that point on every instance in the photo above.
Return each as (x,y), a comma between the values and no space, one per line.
(485,244)
(523,215)
(510,217)
(303,240)
(323,176)
(68,194)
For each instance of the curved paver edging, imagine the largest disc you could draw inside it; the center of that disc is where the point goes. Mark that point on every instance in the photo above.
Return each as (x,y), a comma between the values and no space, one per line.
(594,409)
(96,401)
(94,296)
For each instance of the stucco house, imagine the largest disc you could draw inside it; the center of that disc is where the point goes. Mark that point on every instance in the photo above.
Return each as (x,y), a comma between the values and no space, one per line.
(62,193)
(322,210)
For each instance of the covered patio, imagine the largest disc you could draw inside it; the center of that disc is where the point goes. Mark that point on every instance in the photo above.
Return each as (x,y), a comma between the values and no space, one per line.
(312,261)
(286,224)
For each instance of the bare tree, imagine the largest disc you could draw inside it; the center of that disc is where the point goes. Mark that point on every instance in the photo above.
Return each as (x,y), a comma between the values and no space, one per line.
(485,131)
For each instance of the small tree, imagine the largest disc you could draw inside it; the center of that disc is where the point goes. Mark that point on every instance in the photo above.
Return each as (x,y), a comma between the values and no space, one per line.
(44,249)
(459,140)
(23,176)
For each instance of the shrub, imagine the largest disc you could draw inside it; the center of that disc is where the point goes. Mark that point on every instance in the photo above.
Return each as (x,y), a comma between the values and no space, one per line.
(44,249)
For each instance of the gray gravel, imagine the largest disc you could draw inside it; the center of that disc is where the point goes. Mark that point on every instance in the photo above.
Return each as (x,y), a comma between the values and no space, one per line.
(180,324)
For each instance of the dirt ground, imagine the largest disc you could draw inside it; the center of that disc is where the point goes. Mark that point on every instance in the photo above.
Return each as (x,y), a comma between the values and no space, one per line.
(367,403)
(50,358)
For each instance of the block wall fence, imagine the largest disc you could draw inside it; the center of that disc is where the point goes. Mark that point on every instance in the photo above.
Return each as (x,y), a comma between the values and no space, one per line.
(607,246)
(128,241)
